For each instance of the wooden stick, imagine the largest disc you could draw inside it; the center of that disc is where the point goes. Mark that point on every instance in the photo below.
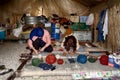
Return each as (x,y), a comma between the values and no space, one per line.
(12,77)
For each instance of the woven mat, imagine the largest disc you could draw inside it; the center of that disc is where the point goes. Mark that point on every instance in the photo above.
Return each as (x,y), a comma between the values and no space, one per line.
(66,69)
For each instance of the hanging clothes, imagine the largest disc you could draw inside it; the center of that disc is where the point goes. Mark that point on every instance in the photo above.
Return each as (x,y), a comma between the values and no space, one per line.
(100,26)
(105,25)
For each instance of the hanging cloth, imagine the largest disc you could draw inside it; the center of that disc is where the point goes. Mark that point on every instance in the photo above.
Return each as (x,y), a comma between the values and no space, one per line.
(100,26)
(105,25)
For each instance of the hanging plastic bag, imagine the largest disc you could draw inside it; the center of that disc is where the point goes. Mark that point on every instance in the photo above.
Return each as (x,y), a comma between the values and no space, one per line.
(17,31)
(90,19)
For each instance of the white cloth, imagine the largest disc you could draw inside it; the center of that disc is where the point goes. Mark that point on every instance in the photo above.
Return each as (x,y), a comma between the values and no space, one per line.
(105,25)
(90,19)
(62,29)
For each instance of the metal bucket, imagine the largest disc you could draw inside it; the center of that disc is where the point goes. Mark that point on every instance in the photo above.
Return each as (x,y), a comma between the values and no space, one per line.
(31,20)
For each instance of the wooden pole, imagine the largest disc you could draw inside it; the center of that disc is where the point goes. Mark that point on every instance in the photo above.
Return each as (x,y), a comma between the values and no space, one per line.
(12,77)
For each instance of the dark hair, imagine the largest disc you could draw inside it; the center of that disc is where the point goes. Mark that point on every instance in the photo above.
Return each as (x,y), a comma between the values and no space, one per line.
(70,41)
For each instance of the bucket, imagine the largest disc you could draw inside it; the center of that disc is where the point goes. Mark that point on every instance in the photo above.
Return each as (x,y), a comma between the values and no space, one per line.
(55,33)
(2,34)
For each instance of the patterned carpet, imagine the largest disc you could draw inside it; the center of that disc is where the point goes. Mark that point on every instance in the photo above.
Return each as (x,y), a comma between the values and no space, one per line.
(10,52)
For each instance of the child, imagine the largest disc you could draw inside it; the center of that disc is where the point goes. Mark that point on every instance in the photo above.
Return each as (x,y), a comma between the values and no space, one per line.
(40,39)
(70,44)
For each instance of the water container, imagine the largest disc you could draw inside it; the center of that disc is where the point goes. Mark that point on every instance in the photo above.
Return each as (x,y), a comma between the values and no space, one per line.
(2,34)
(55,32)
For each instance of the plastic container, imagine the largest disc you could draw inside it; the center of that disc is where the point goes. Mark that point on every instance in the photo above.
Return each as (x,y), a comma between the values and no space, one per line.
(55,34)
(2,34)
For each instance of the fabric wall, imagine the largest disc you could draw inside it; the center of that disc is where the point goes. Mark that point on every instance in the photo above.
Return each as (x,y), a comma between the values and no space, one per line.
(112,42)
(39,7)
(114,26)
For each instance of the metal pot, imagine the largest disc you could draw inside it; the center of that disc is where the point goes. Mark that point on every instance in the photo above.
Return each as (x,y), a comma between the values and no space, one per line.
(31,20)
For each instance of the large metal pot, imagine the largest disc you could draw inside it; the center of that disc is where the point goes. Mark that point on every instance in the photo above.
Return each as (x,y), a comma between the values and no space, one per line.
(31,20)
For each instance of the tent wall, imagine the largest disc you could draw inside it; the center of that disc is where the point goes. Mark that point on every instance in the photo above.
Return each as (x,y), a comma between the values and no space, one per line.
(113,39)
(114,26)
(16,8)
(41,7)
(96,10)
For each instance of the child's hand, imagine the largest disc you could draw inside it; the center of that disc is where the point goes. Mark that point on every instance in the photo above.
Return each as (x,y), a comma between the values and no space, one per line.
(65,53)
(35,51)
(41,49)
(72,52)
